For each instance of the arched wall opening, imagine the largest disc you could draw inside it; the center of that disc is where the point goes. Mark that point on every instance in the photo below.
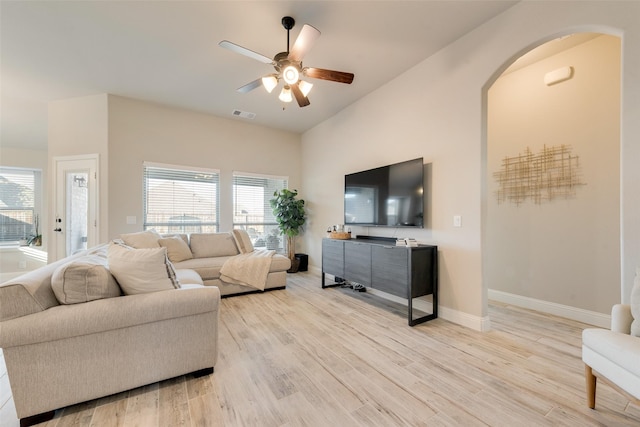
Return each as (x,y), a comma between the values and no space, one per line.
(551,168)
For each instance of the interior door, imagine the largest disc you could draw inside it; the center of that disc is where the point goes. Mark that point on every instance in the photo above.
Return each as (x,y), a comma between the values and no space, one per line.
(75,217)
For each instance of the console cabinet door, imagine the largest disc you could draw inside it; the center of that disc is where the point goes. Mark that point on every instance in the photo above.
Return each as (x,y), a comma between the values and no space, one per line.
(390,270)
(333,257)
(357,262)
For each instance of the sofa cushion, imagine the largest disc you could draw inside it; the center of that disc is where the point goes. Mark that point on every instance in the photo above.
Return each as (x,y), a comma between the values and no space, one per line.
(207,268)
(207,245)
(141,270)
(177,249)
(188,278)
(243,241)
(31,292)
(635,304)
(84,280)
(183,236)
(142,239)
(279,263)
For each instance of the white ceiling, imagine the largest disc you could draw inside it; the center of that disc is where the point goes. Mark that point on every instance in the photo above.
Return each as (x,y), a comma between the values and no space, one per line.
(167,52)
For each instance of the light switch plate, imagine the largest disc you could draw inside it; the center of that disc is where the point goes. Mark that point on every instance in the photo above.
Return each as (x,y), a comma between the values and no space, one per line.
(131,220)
(457,221)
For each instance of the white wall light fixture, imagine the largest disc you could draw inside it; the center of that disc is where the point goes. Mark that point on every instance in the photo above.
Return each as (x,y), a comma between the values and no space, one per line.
(558,76)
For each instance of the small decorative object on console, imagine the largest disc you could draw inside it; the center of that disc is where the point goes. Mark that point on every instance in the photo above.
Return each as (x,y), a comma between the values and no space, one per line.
(411,242)
(338,232)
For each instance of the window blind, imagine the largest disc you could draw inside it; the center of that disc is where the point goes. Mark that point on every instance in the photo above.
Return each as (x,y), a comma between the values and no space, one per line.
(19,202)
(181,200)
(252,209)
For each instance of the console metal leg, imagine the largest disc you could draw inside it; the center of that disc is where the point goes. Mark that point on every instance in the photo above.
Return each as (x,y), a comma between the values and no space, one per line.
(422,319)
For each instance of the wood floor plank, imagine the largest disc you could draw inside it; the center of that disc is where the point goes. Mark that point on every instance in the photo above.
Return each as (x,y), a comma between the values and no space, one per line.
(173,404)
(307,356)
(142,407)
(110,414)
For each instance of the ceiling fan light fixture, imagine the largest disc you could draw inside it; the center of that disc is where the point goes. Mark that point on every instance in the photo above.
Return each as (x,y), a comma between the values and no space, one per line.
(305,87)
(285,95)
(269,82)
(290,74)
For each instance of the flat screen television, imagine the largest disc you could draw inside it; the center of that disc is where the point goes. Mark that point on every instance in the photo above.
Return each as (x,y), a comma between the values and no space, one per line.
(389,196)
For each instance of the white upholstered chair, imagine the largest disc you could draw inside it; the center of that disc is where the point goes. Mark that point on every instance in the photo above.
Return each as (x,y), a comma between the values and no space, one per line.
(613,356)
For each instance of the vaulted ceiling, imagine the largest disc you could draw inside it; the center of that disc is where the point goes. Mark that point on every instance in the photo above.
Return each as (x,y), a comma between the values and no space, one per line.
(167,52)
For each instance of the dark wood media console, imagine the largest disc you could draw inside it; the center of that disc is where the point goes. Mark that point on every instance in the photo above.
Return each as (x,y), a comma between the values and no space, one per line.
(405,272)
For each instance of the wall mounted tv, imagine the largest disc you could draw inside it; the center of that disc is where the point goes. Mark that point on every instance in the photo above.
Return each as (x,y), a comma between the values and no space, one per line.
(388,196)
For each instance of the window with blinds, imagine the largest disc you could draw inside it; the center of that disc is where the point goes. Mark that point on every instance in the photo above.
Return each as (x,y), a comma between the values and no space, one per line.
(181,199)
(252,210)
(20,201)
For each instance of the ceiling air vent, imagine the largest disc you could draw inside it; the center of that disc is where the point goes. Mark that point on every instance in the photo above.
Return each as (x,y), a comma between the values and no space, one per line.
(244,114)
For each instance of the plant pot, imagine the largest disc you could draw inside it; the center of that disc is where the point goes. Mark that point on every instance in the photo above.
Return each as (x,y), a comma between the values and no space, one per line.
(295,263)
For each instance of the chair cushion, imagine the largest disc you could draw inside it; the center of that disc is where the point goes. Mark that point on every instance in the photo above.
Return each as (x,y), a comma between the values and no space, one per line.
(619,349)
(141,270)
(177,249)
(86,279)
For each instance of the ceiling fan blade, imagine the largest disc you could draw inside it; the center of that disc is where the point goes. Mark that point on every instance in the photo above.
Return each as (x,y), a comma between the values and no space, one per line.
(244,51)
(334,76)
(303,101)
(250,86)
(305,41)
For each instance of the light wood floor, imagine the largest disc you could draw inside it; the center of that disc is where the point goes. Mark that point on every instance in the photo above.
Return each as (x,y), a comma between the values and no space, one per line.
(311,357)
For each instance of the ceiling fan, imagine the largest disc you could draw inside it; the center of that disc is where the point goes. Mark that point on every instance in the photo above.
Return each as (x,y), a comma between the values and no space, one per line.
(288,66)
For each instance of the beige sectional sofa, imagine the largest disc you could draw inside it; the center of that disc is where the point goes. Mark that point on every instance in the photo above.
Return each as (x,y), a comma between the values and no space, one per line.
(58,354)
(206,253)
(120,316)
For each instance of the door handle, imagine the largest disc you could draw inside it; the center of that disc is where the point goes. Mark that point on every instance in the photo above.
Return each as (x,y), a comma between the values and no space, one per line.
(58,230)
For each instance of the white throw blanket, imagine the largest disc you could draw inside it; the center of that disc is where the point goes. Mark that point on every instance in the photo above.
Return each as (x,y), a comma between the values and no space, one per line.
(248,269)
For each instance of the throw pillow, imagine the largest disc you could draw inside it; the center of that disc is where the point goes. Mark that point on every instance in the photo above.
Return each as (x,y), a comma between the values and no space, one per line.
(635,305)
(141,270)
(83,280)
(177,249)
(142,239)
(243,241)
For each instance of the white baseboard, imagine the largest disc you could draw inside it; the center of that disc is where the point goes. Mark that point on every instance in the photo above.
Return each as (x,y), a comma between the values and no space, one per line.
(464,319)
(573,313)
(482,324)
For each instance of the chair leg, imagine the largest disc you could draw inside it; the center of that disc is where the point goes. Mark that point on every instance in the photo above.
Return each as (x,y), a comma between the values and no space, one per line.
(591,386)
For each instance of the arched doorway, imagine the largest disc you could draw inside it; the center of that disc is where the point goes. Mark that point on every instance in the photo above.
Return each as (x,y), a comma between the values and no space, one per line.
(551,226)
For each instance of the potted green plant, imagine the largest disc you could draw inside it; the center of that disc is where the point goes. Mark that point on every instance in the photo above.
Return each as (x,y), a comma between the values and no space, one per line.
(35,239)
(290,215)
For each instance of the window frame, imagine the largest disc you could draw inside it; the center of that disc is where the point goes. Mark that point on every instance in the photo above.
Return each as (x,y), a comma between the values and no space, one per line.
(35,210)
(260,240)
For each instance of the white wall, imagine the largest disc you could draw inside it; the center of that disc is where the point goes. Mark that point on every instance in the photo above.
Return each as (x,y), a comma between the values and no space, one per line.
(565,251)
(126,132)
(437,110)
(140,131)
(79,126)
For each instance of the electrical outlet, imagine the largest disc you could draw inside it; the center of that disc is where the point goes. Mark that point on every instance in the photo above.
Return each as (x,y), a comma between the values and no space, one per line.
(131,220)
(457,221)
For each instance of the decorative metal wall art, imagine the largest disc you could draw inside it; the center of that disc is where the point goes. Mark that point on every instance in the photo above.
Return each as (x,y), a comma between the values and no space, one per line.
(551,173)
